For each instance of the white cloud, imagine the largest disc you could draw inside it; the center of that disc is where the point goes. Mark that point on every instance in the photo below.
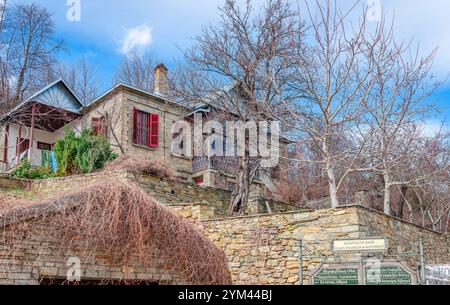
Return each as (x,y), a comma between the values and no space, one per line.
(136,40)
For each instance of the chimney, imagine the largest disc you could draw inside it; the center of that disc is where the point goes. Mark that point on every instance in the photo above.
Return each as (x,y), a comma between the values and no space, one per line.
(161,80)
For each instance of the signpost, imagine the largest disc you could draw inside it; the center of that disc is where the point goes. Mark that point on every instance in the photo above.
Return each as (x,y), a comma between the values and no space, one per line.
(391,273)
(364,263)
(387,275)
(360,245)
(337,276)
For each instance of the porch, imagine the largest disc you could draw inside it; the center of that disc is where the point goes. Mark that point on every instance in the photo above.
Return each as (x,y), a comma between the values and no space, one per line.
(31,133)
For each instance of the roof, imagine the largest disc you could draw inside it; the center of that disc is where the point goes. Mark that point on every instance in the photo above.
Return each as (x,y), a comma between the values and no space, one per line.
(53,96)
(156,96)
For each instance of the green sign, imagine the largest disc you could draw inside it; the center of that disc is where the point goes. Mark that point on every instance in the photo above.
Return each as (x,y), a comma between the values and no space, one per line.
(338,276)
(387,275)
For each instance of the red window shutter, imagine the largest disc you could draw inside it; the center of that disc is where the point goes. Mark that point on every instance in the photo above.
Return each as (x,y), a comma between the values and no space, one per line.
(154,130)
(135,115)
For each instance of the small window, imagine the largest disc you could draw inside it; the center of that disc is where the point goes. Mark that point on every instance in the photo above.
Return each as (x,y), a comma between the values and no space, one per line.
(24,145)
(145,129)
(98,126)
(44,146)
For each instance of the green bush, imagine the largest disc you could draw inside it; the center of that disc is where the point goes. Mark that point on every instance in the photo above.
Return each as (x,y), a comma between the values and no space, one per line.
(26,171)
(82,154)
(65,153)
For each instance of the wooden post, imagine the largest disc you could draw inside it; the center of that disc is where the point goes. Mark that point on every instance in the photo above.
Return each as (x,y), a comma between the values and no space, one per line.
(5,150)
(18,140)
(33,118)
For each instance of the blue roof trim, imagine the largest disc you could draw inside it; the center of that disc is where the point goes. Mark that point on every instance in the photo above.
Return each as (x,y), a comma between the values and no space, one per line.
(35,96)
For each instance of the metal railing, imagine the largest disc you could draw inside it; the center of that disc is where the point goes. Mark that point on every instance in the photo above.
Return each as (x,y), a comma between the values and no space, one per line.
(226,165)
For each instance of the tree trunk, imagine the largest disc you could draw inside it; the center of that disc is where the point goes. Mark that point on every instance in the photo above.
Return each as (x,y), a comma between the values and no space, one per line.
(387,194)
(240,196)
(23,70)
(331,177)
(401,201)
(333,189)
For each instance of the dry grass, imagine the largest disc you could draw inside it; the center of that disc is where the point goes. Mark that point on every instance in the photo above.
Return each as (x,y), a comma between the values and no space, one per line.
(118,217)
(140,165)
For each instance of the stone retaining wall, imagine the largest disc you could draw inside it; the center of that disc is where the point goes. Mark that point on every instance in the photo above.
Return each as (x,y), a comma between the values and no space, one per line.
(264,249)
(41,257)
(261,249)
(6,183)
(164,191)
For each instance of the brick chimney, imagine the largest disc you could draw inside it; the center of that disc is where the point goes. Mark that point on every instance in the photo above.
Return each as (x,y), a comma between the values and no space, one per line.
(161,80)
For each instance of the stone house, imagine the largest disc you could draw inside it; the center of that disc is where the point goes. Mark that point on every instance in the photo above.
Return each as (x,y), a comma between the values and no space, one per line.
(134,121)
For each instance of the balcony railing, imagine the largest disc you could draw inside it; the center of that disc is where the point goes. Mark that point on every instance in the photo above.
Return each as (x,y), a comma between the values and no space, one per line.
(225,165)
(200,164)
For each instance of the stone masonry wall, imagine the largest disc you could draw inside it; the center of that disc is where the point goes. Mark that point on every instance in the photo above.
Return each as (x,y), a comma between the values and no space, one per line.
(261,249)
(177,192)
(164,191)
(41,256)
(6,183)
(265,249)
(404,237)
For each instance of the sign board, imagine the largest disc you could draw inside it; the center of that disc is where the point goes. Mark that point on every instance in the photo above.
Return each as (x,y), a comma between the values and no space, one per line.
(387,275)
(437,274)
(360,245)
(336,276)
(372,272)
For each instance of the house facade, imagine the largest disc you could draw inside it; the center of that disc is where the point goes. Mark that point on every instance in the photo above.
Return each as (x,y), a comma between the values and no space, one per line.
(134,121)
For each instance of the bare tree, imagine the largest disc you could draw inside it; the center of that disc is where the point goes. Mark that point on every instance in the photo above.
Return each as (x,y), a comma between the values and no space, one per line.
(2,13)
(426,172)
(30,46)
(137,72)
(4,80)
(332,81)
(397,105)
(239,67)
(82,78)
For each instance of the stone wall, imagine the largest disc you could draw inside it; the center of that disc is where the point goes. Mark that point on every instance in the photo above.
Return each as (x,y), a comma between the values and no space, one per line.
(41,257)
(6,183)
(177,192)
(168,114)
(264,249)
(404,236)
(167,192)
(49,186)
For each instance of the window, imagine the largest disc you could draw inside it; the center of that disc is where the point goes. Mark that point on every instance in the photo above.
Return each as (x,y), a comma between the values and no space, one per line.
(24,145)
(145,129)
(44,146)
(98,126)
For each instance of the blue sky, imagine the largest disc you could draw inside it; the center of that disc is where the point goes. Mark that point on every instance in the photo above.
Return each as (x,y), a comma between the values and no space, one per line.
(110,28)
